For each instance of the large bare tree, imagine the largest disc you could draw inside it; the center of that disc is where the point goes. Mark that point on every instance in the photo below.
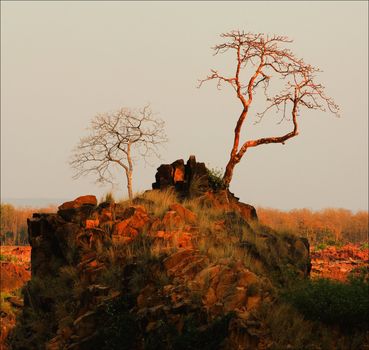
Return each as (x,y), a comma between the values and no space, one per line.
(261,59)
(114,139)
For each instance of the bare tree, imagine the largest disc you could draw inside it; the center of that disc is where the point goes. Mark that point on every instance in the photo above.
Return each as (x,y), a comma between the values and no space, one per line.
(261,58)
(113,140)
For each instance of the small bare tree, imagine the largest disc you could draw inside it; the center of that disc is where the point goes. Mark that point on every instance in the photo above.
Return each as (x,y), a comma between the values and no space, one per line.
(113,139)
(261,58)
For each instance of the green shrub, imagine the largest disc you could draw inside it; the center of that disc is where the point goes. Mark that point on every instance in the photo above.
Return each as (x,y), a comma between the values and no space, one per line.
(320,246)
(215,177)
(333,302)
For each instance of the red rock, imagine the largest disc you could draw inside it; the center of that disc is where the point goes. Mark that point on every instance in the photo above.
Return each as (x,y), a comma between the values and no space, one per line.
(78,202)
(209,298)
(206,276)
(247,211)
(246,278)
(192,268)
(179,174)
(156,225)
(253,302)
(187,215)
(120,228)
(183,239)
(135,218)
(227,278)
(177,258)
(92,223)
(172,220)
(162,234)
(178,238)
(235,299)
(106,215)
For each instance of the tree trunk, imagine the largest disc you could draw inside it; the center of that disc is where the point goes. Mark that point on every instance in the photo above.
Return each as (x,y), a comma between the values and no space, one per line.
(129,172)
(228,174)
(129,184)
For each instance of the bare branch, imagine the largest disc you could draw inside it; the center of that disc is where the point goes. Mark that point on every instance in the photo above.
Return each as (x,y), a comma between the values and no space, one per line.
(111,141)
(267,58)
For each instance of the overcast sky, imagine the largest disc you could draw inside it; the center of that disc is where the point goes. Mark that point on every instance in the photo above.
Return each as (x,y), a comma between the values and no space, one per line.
(64,62)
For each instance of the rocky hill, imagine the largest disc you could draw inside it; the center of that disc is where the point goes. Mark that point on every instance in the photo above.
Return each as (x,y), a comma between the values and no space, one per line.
(183,266)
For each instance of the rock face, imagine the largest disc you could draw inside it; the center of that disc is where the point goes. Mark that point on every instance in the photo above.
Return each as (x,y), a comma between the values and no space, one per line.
(79,209)
(193,179)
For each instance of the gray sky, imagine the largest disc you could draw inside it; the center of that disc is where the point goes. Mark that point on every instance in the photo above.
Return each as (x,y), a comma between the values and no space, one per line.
(64,62)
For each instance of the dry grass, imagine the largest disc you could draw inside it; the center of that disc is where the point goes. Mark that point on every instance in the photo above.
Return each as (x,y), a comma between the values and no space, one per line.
(288,329)
(157,202)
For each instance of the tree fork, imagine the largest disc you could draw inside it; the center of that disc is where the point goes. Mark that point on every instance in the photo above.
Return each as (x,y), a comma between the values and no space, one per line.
(268,59)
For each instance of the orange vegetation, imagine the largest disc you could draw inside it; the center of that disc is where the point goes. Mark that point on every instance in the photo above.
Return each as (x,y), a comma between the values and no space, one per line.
(13,223)
(324,226)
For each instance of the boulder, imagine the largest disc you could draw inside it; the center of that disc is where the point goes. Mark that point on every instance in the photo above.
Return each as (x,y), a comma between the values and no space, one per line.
(187,215)
(132,222)
(181,176)
(78,202)
(78,210)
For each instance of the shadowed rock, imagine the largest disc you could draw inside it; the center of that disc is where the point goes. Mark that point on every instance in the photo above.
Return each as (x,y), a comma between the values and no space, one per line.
(193,181)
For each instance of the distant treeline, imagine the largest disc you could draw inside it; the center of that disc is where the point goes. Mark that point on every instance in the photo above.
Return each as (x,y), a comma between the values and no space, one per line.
(13,223)
(324,226)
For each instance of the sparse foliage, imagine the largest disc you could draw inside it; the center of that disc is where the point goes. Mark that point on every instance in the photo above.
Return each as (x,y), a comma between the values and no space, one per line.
(215,178)
(263,58)
(113,139)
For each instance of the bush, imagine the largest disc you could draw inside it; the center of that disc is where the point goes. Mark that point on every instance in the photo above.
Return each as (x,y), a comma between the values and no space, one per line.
(215,177)
(333,302)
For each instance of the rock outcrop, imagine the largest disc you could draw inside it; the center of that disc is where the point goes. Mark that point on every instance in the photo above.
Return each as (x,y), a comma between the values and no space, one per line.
(154,273)
(193,180)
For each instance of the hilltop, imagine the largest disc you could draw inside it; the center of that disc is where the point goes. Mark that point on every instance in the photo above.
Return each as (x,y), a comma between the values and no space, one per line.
(185,265)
